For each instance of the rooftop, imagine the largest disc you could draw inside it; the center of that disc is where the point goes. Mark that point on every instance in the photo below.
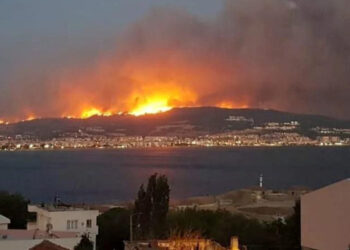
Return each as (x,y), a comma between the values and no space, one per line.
(22,234)
(55,208)
(4,220)
(47,245)
(342,184)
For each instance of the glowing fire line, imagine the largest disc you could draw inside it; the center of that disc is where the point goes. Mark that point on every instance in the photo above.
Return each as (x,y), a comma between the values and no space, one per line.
(151,108)
(147,105)
(92,112)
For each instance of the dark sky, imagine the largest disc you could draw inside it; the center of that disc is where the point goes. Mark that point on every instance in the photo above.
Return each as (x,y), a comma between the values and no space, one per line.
(288,55)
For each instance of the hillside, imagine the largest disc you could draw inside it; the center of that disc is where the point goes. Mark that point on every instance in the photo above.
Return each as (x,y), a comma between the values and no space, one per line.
(178,121)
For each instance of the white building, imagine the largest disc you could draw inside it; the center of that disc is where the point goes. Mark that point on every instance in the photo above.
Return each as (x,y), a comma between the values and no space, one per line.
(21,239)
(4,221)
(325,218)
(68,219)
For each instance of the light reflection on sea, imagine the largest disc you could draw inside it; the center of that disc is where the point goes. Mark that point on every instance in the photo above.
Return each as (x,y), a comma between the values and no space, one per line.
(104,176)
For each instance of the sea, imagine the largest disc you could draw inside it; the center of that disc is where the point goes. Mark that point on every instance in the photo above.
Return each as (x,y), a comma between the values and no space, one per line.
(114,175)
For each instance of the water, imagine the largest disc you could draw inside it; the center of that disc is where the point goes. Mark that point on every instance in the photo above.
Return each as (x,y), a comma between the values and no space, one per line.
(100,176)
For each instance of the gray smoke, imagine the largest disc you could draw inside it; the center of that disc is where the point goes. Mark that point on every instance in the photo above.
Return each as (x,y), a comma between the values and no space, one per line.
(286,55)
(289,55)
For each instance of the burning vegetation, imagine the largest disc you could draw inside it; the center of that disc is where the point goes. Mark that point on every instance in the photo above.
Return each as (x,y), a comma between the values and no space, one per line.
(257,53)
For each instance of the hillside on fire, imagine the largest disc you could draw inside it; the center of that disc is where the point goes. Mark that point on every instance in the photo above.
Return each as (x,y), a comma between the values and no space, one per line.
(176,122)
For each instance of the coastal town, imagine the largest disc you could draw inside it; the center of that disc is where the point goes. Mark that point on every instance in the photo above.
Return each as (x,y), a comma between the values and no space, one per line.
(270,134)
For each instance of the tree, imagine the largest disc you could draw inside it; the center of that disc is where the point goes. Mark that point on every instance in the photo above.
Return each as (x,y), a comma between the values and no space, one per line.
(160,206)
(221,225)
(142,214)
(293,227)
(84,244)
(14,207)
(151,208)
(113,229)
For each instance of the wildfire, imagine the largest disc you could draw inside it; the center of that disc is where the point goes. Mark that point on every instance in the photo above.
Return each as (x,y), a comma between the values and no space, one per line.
(150,102)
(2,122)
(231,105)
(159,98)
(148,83)
(141,105)
(138,86)
(151,107)
(92,112)
(30,118)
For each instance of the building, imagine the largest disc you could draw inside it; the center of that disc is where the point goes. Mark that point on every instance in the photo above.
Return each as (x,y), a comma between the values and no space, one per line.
(48,245)
(64,218)
(21,239)
(56,227)
(4,222)
(325,218)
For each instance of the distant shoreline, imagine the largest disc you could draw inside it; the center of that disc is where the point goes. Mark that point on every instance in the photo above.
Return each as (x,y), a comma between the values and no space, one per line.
(173,147)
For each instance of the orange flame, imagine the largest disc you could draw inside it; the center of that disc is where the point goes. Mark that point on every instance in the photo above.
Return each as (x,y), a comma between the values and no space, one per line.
(148,83)
(152,106)
(92,112)
(30,118)
(158,98)
(231,105)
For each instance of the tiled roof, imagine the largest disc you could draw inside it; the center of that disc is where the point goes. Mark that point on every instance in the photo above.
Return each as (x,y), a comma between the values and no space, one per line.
(47,245)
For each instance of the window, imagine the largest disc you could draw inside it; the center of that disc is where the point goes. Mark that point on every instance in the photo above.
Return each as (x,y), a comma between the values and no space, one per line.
(88,223)
(75,224)
(72,224)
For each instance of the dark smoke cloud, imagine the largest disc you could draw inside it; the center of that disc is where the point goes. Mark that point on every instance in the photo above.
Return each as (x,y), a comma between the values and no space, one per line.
(287,55)
(299,52)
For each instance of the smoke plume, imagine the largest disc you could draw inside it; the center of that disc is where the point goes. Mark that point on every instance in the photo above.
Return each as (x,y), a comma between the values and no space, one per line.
(279,54)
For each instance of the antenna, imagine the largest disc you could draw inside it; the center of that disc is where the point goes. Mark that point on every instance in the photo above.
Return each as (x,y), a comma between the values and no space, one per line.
(57,200)
(49,227)
(261,180)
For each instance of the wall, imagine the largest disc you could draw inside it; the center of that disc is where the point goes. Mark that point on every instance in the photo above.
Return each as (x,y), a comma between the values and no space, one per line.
(325,217)
(59,219)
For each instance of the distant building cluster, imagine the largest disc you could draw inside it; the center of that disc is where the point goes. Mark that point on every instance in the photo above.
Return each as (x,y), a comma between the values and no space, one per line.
(279,126)
(233,118)
(267,134)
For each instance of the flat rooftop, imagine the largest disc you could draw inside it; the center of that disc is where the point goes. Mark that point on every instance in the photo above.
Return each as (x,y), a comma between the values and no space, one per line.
(23,234)
(56,208)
